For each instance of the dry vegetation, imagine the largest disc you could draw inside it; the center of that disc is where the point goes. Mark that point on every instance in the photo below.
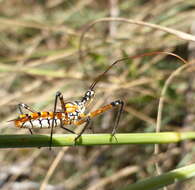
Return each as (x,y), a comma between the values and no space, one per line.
(39,43)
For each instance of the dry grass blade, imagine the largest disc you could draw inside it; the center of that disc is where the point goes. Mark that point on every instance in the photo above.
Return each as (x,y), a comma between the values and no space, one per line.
(52,167)
(113,178)
(179,34)
(40,26)
(161,103)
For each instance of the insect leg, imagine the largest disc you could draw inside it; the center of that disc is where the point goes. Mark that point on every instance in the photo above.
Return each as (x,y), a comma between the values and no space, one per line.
(87,120)
(104,109)
(60,97)
(68,130)
(91,127)
(30,131)
(114,104)
(61,125)
(25,106)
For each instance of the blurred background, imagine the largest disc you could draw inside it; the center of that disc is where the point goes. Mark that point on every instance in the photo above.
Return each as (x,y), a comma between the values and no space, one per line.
(39,43)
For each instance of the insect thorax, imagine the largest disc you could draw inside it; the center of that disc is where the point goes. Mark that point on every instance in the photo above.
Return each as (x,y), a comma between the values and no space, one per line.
(74,110)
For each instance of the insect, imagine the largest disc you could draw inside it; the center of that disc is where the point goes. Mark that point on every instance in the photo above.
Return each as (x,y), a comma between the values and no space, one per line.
(71,113)
(74,112)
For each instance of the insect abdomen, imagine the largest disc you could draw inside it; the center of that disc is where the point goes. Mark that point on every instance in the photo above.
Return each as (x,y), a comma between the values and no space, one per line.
(39,120)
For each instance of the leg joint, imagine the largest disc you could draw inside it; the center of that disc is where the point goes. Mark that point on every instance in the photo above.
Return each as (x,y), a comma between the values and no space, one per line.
(59,94)
(23,105)
(117,102)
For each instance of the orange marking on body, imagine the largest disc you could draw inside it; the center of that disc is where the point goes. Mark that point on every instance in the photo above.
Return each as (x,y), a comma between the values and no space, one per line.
(21,119)
(70,108)
(18,123)
(21,116)
(34,115)
(59,115)
(51,114)
(81,116)
(44,114)
(66,122)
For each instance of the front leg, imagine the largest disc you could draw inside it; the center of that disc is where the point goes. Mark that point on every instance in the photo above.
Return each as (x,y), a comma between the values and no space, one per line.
(60,97)
(117,103)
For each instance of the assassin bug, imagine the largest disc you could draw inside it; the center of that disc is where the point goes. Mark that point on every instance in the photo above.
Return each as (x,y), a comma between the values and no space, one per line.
(73,113)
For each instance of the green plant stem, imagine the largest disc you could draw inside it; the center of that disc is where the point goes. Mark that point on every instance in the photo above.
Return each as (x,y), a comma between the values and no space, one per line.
(160,181)
(19,141)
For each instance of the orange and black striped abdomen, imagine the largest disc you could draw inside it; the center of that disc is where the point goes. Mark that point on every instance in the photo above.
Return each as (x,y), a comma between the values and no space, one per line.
(39,120)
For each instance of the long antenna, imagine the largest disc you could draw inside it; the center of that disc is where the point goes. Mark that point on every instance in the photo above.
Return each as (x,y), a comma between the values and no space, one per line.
(133,57)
